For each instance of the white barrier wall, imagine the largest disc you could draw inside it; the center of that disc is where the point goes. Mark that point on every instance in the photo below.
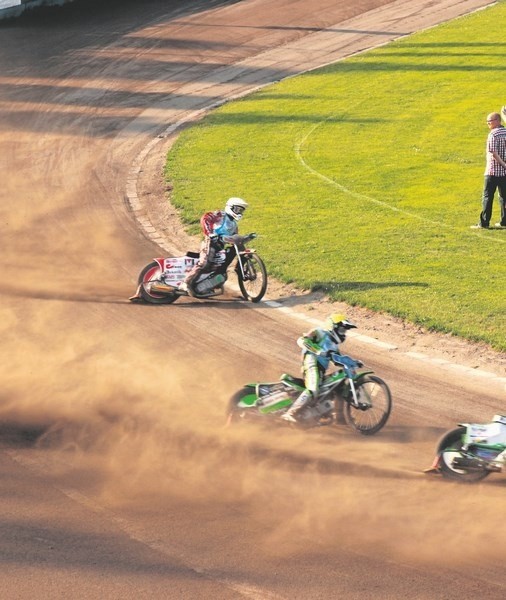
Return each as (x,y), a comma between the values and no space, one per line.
(13,8)
(9,3)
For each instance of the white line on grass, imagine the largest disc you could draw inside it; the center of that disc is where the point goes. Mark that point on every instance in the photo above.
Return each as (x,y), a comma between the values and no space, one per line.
(359,196)
(151,233)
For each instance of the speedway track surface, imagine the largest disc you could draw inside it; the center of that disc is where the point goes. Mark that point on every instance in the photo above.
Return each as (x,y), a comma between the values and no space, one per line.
(118,480)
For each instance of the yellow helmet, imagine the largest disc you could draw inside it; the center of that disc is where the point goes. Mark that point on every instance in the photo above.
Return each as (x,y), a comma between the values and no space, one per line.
(338,325)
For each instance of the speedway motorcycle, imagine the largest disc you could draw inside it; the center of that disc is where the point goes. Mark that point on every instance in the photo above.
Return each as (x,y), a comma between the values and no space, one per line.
(159,281)
(360,398)
(472,451)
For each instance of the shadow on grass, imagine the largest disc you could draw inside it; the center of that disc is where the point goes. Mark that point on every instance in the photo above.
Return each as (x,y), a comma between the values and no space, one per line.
(325,288)
(362,286)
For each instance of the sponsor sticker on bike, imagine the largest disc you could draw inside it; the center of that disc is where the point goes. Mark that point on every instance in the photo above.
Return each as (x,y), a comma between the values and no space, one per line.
(271,399)
(177,267)
(482,433)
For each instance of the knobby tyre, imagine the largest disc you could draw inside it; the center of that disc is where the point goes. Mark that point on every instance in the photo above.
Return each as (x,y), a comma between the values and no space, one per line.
(450,446)
(149,275)
(375,406)
(254,284)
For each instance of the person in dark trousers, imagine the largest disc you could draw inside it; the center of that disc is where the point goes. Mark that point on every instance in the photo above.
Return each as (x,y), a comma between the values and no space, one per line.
(495,172)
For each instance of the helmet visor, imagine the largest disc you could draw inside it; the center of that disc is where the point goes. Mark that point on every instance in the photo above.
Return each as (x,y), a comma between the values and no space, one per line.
(238,210)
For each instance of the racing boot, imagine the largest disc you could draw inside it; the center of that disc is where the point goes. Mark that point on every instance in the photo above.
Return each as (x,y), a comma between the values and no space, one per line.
(137,296)
(190,290)
(291,414)
(187,284)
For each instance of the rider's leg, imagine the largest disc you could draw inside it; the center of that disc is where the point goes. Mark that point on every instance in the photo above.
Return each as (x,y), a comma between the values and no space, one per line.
(204,258)
(291,414)
(312,383)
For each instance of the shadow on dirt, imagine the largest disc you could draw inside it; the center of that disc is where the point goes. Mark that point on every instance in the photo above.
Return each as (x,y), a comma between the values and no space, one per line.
(17,435)
(52,295)
(88,436)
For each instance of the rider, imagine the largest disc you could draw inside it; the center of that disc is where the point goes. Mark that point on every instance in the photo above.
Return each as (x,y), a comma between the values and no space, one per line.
(317,346)
(218,227)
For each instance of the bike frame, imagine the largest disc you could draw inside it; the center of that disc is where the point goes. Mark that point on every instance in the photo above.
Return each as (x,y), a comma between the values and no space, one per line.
(180,266)
(347,375)
(329,386)
(240,254)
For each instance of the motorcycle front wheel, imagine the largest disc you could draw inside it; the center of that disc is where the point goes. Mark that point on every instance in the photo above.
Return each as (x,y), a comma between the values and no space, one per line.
(253,284)
(375,405)
(147,277)
(449,448)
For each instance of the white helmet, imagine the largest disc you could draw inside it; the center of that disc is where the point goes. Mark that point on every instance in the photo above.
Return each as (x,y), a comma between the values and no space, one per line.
(235,208)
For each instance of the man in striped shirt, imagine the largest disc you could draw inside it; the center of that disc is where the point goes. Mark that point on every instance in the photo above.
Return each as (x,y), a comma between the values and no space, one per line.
(495,172)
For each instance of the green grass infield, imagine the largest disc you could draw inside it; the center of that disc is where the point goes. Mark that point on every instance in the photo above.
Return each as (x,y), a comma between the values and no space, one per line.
(364,177)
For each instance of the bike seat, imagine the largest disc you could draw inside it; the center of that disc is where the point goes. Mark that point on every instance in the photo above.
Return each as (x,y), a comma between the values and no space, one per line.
(192,254)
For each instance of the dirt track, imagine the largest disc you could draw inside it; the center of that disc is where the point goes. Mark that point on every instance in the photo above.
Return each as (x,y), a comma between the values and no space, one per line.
(118,481)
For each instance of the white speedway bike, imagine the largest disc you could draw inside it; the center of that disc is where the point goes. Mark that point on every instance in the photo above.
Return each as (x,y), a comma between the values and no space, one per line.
(158,282)
(472,451)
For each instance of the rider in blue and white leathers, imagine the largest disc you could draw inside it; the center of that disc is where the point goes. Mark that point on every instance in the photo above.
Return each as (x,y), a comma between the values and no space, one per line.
(317,346)
(218,226)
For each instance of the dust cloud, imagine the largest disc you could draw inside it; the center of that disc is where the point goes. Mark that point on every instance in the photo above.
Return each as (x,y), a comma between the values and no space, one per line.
(150,432)
(145,424)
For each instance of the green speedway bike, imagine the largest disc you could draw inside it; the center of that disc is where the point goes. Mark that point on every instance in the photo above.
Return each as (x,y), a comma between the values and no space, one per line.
(359,398)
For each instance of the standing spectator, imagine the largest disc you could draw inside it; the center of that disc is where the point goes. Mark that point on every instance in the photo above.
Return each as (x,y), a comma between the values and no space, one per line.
(495,172)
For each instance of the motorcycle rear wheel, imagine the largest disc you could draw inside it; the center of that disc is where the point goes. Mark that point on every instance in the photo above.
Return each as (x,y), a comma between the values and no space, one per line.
(254,284)
(449,447)
(149,275)
(235,413)
(376,406)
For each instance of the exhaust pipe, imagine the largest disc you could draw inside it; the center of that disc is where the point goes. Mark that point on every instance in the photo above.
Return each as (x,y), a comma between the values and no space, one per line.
(474,464)
(163,288)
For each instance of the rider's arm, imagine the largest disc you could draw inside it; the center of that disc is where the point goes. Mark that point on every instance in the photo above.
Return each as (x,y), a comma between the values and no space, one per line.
(311,342)
(498,158)
(208,221)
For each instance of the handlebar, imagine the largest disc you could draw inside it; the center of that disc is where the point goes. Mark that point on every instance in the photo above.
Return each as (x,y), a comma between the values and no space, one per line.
(345,361)
(238,240)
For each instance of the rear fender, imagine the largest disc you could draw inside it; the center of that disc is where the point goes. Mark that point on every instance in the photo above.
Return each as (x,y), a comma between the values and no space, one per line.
(250,399)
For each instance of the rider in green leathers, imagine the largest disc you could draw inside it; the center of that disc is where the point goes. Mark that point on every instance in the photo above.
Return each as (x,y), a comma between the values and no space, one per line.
(317,346)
